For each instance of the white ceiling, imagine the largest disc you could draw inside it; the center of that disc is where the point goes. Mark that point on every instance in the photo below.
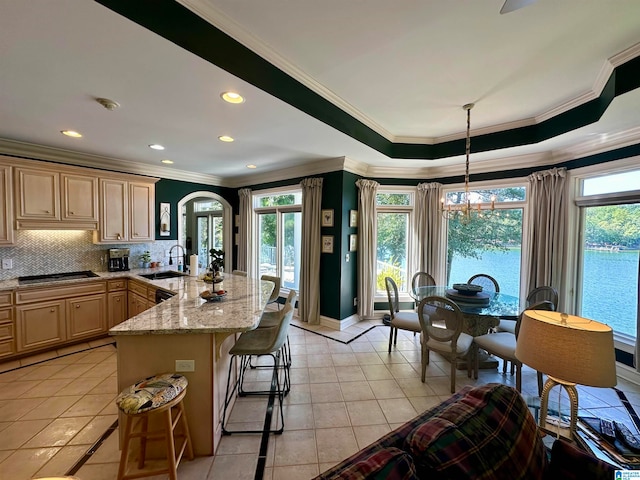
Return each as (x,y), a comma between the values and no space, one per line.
(403,68)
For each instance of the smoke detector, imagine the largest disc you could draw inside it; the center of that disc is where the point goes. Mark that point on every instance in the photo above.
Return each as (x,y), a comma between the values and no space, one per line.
(108,104)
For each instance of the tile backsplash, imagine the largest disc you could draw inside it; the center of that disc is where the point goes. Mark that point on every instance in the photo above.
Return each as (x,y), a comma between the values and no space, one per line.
(41,252)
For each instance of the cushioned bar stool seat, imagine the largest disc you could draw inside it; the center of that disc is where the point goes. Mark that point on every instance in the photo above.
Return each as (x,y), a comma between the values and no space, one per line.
(157,395)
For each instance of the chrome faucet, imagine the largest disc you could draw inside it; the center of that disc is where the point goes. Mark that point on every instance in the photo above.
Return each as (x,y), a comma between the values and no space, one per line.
(184,255)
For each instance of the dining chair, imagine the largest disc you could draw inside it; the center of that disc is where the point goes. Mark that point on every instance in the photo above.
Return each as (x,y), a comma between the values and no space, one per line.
(487,282)
(261,341)
(442,322)
(399,320)
(420,279)
(503,345)
(536,295)
(276,289)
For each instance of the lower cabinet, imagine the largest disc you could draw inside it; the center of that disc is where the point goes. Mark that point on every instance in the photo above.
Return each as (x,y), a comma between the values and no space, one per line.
(40,325)
(117,308)
(137,304)
(7,325)
(86,316)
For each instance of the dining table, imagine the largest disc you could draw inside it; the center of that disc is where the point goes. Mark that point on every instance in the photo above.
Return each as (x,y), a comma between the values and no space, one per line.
(481,312)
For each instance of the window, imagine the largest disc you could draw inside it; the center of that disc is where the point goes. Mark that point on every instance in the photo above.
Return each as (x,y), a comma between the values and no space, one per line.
(608,255)
(492,242)
(208,216)
(279,235)
(394,211)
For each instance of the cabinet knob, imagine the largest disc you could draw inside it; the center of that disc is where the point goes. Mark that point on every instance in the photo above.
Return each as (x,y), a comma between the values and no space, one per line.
(47,211)
(77,305)
(118,300)
(72,213)
(52,310)
(118,236)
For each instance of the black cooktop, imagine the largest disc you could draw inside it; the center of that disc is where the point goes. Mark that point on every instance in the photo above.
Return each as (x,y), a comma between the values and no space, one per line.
(52,277)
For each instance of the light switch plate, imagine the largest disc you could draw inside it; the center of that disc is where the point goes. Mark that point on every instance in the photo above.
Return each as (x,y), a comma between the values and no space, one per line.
(185,365)
(7,263)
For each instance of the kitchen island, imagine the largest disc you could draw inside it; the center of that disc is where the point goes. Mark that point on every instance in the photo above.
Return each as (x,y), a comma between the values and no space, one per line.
(198,333)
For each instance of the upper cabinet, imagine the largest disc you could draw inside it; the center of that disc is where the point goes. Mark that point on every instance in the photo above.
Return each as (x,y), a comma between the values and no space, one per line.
(127,212)
(6,206)
(36,195)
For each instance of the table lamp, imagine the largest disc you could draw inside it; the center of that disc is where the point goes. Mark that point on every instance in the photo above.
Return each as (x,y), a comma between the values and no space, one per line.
(570,350)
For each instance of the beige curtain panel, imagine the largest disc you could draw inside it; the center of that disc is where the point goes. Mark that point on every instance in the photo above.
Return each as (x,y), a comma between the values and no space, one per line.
(428,225)
(309,303)
(367,235)
(244,231)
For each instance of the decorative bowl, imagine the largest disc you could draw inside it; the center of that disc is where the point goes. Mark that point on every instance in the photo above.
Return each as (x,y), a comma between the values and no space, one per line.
(213,296)
(467,288)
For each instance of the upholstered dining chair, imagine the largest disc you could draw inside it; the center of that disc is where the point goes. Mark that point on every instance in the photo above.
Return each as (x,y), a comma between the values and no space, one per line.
(399,320)
(442,322)
(487,282)
(276,289)
(420,279)
(503,345)
(537,295)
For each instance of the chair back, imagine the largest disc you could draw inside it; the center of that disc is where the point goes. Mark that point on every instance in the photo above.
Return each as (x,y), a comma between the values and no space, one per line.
(291,298)
(434,311)
(276,289)
(487,282)
(543,305)
(540,294)
(282,330)
(421,279)
(392,296)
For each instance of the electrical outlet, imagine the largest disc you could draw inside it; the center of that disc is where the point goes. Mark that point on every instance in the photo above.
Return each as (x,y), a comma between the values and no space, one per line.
(7,263)
(185,365)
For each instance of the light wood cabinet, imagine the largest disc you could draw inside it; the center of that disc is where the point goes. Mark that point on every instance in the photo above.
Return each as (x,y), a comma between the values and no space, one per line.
(86,316)
(127,212)
(139,297)
(117,305)
(40,325)
(51,316)
(47,199)
(7,325)
(6,208)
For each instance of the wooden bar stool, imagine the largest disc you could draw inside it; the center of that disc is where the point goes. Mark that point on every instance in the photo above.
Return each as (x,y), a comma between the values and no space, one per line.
(161,395)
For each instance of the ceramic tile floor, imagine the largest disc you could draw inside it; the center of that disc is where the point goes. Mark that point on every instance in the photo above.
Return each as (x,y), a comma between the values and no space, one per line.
(343,397)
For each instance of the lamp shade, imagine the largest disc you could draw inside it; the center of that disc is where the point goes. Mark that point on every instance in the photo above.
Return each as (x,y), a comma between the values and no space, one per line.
(568,348)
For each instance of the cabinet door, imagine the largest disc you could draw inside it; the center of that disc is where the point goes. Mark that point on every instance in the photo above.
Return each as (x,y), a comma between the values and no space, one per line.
(113,206)
(117,308)
(40,325)
(79,198)
(37,195)
(141,196)
(86,316)
(137,304)
(6,207)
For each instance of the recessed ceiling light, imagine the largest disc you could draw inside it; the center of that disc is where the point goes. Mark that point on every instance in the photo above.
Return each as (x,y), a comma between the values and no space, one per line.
(251,165)
(167,161)
(232,97)
(225,138)
(156,146)
(71,133)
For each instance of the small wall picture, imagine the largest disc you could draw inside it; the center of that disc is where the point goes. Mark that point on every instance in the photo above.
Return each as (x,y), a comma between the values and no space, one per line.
(327,218)
(353,242)
(165,219)
(327,243)
(353,218)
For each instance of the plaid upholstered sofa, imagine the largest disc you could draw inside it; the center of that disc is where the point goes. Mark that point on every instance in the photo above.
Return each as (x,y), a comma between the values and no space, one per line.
(479,433)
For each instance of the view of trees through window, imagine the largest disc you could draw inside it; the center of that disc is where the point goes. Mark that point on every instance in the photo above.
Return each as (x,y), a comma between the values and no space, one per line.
(393,221)
(280,232)
(491,243)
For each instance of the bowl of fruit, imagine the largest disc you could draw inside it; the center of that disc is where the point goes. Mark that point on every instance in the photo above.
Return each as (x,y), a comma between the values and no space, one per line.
(210,296)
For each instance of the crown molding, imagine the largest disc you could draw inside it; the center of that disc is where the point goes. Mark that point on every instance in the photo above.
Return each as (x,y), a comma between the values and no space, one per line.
(602,143)
(70,157)
(625,55)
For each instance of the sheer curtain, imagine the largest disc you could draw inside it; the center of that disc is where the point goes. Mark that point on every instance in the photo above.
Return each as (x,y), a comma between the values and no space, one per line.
(367,247)
(427,227)
(244,231)
(309,303)
(548,229)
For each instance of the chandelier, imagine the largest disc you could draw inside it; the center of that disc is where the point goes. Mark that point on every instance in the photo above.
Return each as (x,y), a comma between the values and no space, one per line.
(465,210)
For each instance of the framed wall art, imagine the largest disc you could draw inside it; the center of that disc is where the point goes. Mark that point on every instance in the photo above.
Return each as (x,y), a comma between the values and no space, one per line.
(327,243)
(165,219)
(353,242)
(353,218)
(327,218)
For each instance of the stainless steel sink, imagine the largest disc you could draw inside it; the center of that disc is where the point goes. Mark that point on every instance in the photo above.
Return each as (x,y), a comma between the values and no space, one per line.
(163,275)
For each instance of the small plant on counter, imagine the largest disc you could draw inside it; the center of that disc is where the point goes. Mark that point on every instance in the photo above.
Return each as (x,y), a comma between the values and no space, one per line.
(145,258)
(217,260)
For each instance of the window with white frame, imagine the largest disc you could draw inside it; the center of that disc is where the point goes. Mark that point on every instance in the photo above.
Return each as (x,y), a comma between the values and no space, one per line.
(278,233)
(608,258)
(394,216)
(491,243)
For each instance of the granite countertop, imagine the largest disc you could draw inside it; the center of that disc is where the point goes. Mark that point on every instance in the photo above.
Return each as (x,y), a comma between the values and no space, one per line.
(186,312)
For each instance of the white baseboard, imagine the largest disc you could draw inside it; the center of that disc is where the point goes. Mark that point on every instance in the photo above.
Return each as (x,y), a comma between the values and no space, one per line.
(339,325)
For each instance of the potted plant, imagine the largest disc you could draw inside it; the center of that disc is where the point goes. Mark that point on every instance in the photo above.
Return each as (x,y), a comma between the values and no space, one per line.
(217,260)
(145,258)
